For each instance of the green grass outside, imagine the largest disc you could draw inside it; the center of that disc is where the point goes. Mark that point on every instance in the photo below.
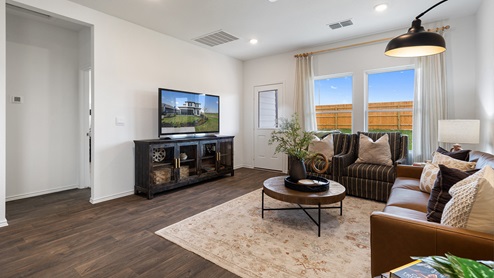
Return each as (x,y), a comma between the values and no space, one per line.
(197,122)
(211,124)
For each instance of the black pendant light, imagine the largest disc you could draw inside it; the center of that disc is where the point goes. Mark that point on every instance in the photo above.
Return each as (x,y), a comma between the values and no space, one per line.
(417,42)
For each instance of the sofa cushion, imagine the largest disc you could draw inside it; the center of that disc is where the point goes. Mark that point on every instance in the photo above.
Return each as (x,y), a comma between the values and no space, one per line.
(446,178)
(429,173)
(323,146)
(372,171)
(460,155)
(471,204)
(394,139)
(374,152)
(407,183)
(406,212)
(410,199)
(439,158)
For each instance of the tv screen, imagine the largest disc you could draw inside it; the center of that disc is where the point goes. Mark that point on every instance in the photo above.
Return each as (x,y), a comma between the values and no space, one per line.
(182,112)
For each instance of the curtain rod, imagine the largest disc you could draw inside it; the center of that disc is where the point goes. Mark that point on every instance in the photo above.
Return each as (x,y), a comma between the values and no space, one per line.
(360,44)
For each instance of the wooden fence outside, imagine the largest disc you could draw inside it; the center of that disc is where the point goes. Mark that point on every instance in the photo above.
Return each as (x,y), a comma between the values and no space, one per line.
(382,116)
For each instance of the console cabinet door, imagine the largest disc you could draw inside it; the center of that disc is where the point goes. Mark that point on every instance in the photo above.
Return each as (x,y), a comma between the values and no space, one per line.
(163,164)
(187,160)
(208,163)
(225,155)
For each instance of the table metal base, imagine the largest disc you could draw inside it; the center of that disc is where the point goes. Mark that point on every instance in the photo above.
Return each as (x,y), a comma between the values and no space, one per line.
(319,207)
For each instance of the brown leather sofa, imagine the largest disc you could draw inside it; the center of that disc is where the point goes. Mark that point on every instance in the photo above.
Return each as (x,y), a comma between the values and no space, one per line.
(402,229)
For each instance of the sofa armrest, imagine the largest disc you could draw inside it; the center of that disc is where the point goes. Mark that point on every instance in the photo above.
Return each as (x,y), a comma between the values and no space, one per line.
(403,159)
(409,171)
(395,238)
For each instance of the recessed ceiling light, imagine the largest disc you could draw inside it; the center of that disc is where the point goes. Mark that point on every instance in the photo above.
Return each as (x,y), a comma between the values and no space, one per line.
(381,7)
(253,41)
(272,1)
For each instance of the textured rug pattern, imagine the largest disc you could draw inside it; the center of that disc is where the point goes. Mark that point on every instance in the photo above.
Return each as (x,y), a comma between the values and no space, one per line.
(283,244)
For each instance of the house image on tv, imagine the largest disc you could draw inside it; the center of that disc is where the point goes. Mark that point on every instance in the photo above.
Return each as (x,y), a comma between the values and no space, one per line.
(169,110)
(190,108)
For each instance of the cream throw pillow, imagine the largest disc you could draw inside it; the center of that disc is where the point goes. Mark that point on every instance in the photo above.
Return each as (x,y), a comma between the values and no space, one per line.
(440,158)
(429,173)
(378,152)
(471,204)
(324,146)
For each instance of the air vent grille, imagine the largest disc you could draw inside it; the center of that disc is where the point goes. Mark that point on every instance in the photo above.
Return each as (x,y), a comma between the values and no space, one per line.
(340,24)
(216,38)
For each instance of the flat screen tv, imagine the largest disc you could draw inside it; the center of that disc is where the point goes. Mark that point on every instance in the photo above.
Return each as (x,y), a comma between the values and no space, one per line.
(182,112)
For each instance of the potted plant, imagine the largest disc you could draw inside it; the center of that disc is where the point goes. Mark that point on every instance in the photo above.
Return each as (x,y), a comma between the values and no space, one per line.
(294,142)
(454,266)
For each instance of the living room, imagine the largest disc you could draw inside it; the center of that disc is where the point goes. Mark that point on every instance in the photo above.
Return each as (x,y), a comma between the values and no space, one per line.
(130,62)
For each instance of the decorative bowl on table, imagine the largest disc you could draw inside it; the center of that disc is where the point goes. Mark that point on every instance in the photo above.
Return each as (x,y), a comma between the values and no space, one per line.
(310,184)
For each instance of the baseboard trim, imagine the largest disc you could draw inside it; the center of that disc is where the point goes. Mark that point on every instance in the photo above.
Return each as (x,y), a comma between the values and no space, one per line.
(39,193)
(3,223)
(111,197)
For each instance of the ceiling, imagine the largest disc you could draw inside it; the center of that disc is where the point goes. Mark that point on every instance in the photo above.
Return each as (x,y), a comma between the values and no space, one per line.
(281,26)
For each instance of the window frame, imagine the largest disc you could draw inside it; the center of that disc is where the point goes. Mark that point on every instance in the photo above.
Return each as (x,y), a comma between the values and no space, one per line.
(366,91)
(334,76)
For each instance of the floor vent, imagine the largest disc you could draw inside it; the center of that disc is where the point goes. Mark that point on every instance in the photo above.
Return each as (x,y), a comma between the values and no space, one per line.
(340,24)
(216,38)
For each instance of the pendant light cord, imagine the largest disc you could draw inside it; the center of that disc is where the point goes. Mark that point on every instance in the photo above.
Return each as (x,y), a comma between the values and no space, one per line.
(420,15)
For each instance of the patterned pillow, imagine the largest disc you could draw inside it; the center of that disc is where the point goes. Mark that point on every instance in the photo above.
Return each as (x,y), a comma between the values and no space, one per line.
(460,155)
(429,174)
(378,152)
(324,146)
(439,158)
(471,204)
(446,178)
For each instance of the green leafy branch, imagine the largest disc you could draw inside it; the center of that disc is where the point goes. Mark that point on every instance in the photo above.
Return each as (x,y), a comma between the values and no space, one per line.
(291,139)
(459,267)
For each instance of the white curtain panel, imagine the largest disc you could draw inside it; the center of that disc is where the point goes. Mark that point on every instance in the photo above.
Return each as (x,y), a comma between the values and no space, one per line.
(430,105)
(304,93)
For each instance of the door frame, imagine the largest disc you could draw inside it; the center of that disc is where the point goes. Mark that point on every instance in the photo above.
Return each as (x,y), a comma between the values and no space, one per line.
(86,88)
(281,101)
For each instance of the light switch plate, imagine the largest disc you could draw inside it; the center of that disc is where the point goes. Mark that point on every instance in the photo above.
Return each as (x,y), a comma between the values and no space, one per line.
(119,121)
(16,99)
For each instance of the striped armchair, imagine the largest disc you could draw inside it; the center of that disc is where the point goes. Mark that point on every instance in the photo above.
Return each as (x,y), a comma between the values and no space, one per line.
(341,142)
(370,181)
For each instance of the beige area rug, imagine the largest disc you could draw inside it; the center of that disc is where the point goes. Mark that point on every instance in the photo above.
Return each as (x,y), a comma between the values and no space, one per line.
(283,244)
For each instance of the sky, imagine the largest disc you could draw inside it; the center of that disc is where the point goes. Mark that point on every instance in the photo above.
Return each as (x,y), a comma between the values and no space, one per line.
(383,87)
(174,98)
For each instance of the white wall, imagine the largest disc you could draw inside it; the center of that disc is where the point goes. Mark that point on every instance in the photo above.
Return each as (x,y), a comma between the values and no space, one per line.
(43,130)
(130,64)
(3,220)
(485,70)
(272,69)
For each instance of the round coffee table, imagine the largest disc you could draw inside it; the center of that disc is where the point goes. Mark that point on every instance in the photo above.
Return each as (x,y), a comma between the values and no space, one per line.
(275,188)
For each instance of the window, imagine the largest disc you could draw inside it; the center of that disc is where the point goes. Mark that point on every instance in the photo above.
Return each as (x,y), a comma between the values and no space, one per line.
(268,109)
(333,102)
(390,101)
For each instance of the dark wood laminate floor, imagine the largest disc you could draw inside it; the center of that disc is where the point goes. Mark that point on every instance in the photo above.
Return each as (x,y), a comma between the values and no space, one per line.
(63,235)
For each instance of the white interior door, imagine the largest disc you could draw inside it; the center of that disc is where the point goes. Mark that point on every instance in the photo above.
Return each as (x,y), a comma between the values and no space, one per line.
(267,112)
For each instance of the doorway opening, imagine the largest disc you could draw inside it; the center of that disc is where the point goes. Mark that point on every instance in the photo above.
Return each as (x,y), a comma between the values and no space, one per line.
(45,152)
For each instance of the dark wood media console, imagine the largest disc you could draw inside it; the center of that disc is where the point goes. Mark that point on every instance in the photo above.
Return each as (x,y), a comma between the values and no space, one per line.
(165,164)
